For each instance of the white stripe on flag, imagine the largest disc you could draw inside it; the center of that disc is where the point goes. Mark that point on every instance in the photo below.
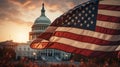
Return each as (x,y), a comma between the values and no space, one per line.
(82,45)
(109,25)
(90,33)
(118,48)
(109,12)
(110,2)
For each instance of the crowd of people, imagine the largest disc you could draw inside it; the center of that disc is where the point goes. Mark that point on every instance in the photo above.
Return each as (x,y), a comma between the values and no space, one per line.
(7,59)
(81,63)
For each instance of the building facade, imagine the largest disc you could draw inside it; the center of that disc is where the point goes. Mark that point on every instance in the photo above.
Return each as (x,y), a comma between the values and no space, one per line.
(39,26)
(8,44)
(24,50)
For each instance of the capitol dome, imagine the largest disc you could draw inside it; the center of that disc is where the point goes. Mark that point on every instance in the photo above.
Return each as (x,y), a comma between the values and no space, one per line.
(42,19)
(40,24)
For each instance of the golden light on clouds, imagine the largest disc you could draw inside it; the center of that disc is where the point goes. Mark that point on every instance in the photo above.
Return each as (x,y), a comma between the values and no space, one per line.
(17,16)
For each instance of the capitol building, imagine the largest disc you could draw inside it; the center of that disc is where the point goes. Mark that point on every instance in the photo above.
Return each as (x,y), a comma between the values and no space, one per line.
(39,26)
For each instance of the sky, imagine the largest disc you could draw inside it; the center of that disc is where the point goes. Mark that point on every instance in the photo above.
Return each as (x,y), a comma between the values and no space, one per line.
(17,16)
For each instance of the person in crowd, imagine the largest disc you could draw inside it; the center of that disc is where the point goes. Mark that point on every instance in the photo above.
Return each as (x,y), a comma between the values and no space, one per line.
(82,63)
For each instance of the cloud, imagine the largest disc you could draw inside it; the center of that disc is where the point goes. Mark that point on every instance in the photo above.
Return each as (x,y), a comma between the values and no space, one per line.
(21,1)
(52,5)
(13,10)
(27,4)
(19,15)
(62,5)
(7,10)
(14,6)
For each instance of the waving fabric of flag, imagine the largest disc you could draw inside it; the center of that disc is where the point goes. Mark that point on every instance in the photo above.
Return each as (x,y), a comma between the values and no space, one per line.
(89,29)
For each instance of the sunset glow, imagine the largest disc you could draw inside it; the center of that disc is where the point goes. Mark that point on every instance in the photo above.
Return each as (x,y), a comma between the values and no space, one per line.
(20,37)
(17,16)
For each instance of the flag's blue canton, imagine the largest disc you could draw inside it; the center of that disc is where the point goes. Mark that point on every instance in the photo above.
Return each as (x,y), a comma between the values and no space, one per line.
(82,16)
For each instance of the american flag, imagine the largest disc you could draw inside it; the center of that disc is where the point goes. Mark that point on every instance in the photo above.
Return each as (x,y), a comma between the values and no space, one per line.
(90,29)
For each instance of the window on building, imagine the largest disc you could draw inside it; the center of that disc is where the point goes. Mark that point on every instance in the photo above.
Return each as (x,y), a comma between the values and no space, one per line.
(24,48)
(40,27)
(30,37)
(43,27)
(19,48)
(28,49)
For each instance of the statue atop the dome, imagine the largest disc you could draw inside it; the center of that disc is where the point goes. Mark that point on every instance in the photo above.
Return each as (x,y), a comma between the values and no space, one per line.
(43,10)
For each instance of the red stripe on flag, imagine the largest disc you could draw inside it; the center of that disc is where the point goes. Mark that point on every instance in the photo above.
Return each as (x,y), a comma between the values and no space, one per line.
(84,52)
(86,39)
(108,18)
(107,31)
(45,35)
(40,45)
(109,7)
(72,49)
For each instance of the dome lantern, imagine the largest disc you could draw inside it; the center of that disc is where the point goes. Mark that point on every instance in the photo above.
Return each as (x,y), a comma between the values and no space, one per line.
(42,19)
(43,10)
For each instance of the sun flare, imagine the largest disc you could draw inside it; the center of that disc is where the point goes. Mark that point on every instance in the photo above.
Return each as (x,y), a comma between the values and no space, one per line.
(21,37)
(21,34)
